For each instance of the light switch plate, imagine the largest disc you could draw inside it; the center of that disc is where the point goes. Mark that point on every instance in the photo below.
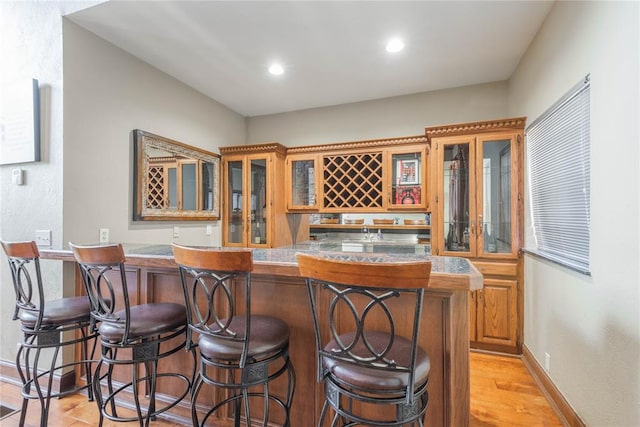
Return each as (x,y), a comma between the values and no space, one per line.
(17,176)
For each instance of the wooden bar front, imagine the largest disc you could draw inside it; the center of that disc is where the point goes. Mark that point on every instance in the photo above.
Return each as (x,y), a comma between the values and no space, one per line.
(278,290)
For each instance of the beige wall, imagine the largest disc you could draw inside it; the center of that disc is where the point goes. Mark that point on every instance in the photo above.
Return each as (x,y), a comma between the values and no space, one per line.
(36,205)
(382,118)
(107,94)
(590,325)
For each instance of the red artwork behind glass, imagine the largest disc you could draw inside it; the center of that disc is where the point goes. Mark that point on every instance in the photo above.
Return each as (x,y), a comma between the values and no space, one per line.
(408,195)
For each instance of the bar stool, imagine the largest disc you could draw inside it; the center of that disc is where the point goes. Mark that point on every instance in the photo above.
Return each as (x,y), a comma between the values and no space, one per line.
(130,335)
(366,317)
(248,352)
(46,324)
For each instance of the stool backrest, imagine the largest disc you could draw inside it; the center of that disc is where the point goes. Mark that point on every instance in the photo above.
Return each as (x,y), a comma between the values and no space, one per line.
(104,279)
(360,307)
(211,280)
(24,263)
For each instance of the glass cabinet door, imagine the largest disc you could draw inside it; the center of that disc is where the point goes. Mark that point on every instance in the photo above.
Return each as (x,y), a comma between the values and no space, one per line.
(457,208)
(301,175)
(495,195)
(407,180)
(258,203)
(235,202)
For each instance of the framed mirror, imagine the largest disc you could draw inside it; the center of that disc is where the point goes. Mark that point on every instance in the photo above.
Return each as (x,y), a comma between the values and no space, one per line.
(174,181)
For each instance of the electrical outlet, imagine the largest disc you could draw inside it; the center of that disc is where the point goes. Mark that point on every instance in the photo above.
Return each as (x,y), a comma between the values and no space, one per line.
(104,235)
(43,237)
(547,362)
(176,232)
(209,230)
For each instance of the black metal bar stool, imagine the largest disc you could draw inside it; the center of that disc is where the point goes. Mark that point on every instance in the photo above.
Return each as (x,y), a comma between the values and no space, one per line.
(130,335)
(46,324)
(241,353)
(366,316)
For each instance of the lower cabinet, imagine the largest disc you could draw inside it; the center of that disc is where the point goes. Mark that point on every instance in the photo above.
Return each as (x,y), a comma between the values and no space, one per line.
(495,320)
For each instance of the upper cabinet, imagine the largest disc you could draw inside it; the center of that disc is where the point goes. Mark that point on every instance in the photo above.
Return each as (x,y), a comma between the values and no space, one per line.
(366,176)
(301,179)
(477,189)
(253,203)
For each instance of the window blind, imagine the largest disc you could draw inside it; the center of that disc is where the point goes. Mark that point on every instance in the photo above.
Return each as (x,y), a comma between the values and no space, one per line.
(558,155)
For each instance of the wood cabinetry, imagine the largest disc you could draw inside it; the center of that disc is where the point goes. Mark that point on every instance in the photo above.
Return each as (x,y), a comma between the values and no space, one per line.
(253,203)
(364,176)
(477,212)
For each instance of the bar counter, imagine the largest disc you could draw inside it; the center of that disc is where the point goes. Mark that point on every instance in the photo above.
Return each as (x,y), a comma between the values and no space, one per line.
(279,290)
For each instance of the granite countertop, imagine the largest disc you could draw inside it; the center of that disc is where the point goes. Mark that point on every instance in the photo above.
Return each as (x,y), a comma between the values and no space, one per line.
(373,245)
(458,273)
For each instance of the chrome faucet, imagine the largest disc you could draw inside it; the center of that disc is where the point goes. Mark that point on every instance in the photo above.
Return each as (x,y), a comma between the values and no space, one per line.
(366,233)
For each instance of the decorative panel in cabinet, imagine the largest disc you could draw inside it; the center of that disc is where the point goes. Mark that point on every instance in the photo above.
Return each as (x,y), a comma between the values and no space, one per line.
(497,315)
(353,181)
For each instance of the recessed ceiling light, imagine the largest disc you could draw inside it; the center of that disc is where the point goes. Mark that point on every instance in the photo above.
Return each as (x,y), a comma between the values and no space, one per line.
(276,69)
(395,45)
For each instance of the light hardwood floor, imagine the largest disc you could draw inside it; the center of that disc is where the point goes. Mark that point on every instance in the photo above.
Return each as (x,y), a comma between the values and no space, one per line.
(502,394)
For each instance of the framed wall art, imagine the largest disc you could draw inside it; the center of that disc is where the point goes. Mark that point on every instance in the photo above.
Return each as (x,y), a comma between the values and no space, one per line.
(20,122)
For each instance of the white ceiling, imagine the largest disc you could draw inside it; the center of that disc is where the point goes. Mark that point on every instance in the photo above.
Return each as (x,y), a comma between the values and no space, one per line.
(333,51)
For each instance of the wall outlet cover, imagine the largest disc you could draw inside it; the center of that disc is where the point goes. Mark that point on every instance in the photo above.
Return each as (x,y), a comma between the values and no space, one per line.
(43,237)
(104,235)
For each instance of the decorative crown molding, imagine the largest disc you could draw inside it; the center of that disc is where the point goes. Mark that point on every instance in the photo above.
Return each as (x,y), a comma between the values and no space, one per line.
(386,142)
(517,123)
(269,147)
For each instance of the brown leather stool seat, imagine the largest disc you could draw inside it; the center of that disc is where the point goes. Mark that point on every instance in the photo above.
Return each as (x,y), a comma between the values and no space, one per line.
(130,336)
(376,379)
(268,335)
(241,354)
(366,315)
(46,325)
(60,311)
(145,320)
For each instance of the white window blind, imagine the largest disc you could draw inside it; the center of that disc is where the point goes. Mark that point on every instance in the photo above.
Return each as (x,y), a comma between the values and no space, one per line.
(558,150)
